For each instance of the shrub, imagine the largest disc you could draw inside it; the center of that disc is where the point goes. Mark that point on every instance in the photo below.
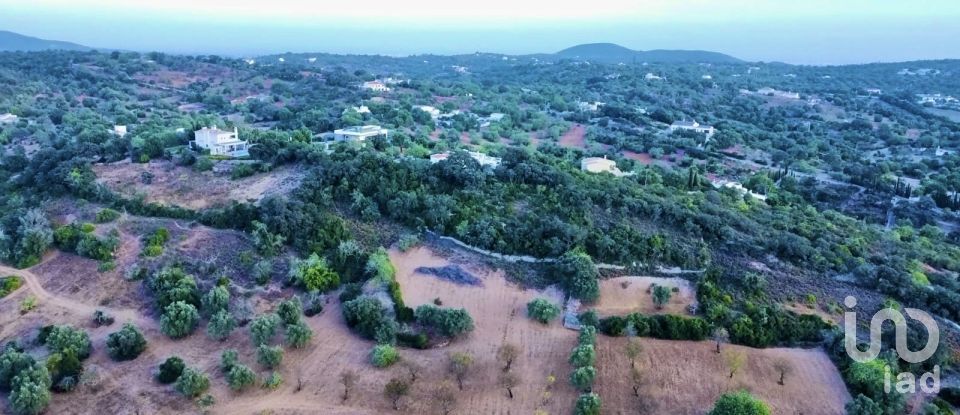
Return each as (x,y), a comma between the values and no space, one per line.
(240,376)
(12,361)
(587,404)
(273,381)
(580,275)
(445,321)
(9,285)
(313,303)
(589,318)
(298,334)
(126,344)
(170,370)
(582,377)
(192,383)
(313,274)
(217,299)
(29,392)
(367,316)
(106,215)
(221,325)
(583,355)
(542,310)
(414,340)
(290,310)
(101,318)
(739,403)
(66,337)
(228,359)
(263,328)
(587,335)
(269,356)
(384,355)
(268,244)
(203,164)
(350,292)
(179,320)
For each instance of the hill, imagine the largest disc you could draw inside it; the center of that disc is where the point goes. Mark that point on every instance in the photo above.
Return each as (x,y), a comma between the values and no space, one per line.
(613,53)
(10,41)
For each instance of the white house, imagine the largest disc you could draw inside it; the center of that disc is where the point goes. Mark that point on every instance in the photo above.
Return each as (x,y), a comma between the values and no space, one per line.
(120,130)
(481,158)
(778,93)
(433,111)
(360,134)
(8,118)
(375,86)
(360,110)
(220,142)
(601,165)
(692,126)
(738,187)
(492,118)
(589,106)
(651,77)
(874,91)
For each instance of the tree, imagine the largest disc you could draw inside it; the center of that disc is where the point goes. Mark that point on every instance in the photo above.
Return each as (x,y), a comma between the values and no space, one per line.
(290,310)
(447,322)
(65,337)
(192,383)
(179,320)
(459,366)
(579,275)
(587,335)
(661,296)
(587,404)
(268,244)
(582,377)
(444,397)
(313,273)
(739,403)
(863,405)
(269,356)
(542,310)
(30,390)
(12,361)
(170,370)
(506,354)
(215,300)
(347,379)
(240,376)
(368,317)
(221,325)
(228,359)
(720,335)
(784,367)
(633,350)
(384,355)
(734,359)
(396,389)
(298,335)
(126,344)
(583,355)
(508,380)
(263,328)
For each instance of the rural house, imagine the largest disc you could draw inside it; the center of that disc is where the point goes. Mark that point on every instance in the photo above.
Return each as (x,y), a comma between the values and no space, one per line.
(692,126)
(8,118)
(375,86)
(220,142)
(360,134)
(481,158)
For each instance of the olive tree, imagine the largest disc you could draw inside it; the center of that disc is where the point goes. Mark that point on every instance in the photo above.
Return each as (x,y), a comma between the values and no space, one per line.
(126,344)
(179,320)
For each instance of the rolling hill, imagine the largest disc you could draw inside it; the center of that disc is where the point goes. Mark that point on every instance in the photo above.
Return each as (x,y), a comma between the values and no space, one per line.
(10,41)
(613,53)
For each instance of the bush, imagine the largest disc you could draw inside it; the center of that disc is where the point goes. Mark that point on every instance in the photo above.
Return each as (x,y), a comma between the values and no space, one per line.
(350,292)
(313,303)
(179,320)
(298,334)
(221,325)
(66,337)
(445,321)
(215,300)
(9,285)
(269,356)
(542,310)
(589,318)
(240,377)
(228,359)
(29,393)
(242,170)
(739,403)
(170,370)
(313,274)
(587,335)
(580,275)
(367,316)
(268,244)
(384,355)
(263,328)
(583,355)
(192,383)
(273,381)
(414,340)
(582,377)
(290,310)
(587,404)
(101,318)
(126,344)
(107,215)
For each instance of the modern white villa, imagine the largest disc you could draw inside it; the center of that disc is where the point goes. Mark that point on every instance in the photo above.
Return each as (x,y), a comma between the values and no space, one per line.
(360,134)
(481,158)
(692,126)
(601,165)
(221,142)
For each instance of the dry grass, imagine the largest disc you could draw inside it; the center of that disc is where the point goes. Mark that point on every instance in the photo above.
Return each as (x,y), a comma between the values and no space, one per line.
(624,295)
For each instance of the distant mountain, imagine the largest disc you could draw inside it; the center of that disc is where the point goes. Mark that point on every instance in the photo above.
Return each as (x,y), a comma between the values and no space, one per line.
(613,53)
(10,41)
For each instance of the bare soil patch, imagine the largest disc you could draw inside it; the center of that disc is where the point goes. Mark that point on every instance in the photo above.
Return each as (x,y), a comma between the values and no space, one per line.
(624,295)
(182,186)
(682,377)
(575,137)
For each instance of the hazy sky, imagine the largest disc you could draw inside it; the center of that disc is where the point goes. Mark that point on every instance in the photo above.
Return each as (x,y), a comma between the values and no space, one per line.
(807,31)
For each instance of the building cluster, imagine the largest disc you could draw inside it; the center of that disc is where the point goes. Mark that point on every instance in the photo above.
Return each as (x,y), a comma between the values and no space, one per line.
(938,101)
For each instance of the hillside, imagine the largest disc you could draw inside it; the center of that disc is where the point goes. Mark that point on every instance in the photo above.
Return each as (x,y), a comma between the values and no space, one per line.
(613,53)
(10,41)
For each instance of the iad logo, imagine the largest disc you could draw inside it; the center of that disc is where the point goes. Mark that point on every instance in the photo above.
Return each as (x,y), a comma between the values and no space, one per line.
(906,381)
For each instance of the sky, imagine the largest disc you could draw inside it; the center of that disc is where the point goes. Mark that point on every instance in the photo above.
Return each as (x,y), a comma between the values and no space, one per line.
(801,32)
